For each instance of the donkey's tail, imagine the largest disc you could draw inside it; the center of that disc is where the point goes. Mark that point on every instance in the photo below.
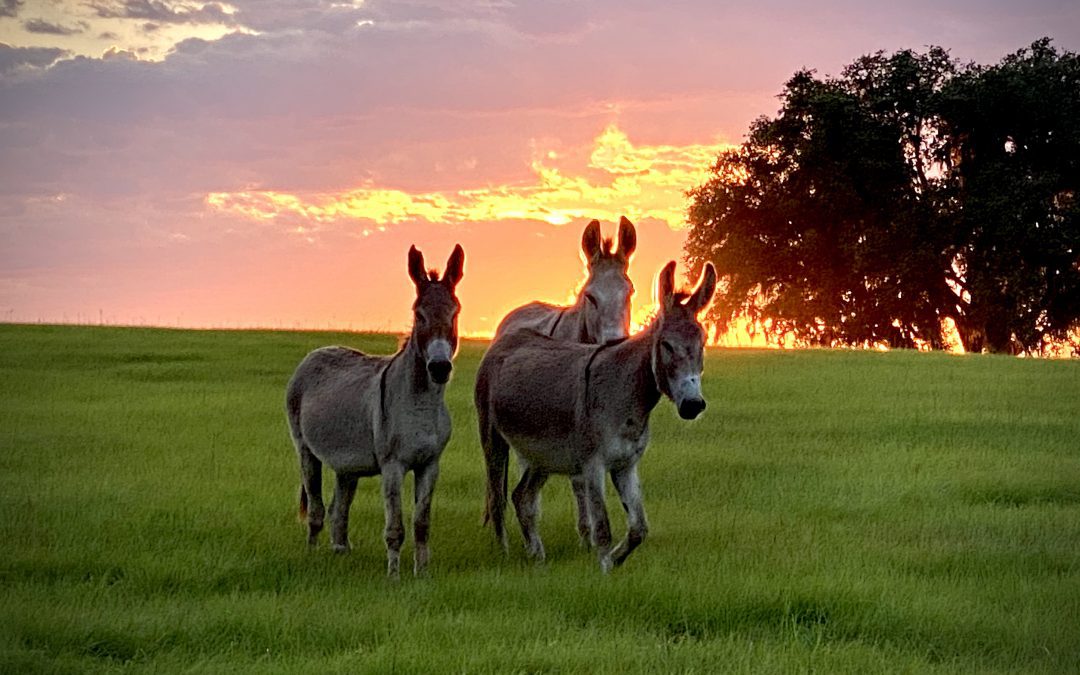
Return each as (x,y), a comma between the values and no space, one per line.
(303,505)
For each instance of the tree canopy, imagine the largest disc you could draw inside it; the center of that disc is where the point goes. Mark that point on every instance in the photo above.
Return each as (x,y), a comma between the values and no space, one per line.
(907,194)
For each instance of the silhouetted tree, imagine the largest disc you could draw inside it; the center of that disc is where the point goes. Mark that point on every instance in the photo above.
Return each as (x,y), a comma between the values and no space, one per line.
(908,190)
(1013,141)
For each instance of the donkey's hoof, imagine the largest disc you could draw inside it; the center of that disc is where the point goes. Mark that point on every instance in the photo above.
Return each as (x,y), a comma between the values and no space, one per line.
(420,563)
(535,553)
(605,564)
(340,548)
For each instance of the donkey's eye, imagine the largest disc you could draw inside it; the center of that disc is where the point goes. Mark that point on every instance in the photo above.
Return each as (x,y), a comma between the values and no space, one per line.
(667,348)
(591,299)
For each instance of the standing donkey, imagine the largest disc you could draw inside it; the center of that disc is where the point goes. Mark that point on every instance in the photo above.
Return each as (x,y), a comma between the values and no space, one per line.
(602,311)
(583,410)
(369,415)
(601,314)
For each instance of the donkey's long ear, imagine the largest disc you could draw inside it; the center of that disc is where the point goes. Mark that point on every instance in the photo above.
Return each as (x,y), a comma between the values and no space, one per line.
(627,238)
(416,266)
(590,240)
(706,288)
(455,266)
(665,286)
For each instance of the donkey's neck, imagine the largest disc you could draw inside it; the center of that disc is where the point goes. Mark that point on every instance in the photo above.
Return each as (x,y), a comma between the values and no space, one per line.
(414,368)
(626,368)
(571,325)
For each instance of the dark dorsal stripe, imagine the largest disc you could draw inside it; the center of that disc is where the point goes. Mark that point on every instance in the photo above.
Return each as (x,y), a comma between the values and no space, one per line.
(592,357)
(555,325)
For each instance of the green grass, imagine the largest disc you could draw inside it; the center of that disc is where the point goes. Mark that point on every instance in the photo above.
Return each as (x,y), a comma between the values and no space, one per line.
(831,511)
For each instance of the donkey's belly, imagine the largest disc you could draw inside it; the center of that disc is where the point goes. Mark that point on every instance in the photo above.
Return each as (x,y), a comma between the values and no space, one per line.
(343,443)
(351,458)
(557,455)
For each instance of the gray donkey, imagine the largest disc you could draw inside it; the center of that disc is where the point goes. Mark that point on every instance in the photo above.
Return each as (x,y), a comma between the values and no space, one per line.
(379,415)
(583,410)
(602,311)
(601,314)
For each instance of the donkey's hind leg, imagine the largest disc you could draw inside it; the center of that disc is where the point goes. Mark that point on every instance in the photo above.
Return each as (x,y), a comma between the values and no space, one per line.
(344,491)
(497,459)
(527,504)
(311,501)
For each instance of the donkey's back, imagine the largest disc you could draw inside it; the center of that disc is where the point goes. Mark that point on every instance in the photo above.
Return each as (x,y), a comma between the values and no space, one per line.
(332,403)
(532,384)
(537,316)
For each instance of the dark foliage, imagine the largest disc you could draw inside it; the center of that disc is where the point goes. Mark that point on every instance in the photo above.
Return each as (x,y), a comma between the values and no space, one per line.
(909,190)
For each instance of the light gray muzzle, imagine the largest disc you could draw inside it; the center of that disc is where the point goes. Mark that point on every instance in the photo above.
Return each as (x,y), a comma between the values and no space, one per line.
(687,396)
(438,360)
(611,333)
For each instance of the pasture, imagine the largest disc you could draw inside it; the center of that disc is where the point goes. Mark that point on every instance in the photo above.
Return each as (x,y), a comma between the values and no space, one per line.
(829,512)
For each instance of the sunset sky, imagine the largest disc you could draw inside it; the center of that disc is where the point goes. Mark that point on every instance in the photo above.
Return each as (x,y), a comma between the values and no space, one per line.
(268,163)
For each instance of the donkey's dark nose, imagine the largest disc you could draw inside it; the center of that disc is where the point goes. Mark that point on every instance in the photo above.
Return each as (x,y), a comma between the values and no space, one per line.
(440,371)
(691,408)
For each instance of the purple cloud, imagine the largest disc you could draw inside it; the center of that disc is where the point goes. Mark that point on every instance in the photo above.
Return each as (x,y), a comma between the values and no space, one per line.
(43,27)
(161,11)
(13,59)
(10,7)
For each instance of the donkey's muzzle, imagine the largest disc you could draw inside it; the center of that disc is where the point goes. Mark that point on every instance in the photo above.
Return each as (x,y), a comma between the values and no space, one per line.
(440,371)
(690,408)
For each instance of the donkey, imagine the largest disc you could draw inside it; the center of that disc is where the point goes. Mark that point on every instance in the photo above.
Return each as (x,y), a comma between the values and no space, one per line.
(602,311)
(365,415)
(601,314)
(583,410)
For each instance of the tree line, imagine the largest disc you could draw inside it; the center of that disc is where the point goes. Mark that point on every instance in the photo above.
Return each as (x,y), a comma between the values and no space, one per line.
(908,197)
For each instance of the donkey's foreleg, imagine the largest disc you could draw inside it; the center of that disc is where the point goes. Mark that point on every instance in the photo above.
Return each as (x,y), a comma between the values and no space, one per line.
(629,489)
(601,528)
(394,532)
(344,491)
(527,504)
(425,477)
(584,527)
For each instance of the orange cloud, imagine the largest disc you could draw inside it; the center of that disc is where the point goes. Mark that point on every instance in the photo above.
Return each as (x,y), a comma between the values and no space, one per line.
(619,178)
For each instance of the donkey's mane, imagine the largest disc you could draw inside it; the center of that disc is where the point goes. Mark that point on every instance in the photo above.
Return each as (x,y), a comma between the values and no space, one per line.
(433,275)
(607,247)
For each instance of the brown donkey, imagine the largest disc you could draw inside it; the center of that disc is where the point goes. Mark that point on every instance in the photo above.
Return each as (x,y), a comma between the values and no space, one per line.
(583,410)
(366,415)
(601,314)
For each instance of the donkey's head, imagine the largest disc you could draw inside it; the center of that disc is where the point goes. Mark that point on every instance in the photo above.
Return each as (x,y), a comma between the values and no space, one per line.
(679,340)
(435,312)
(606,296)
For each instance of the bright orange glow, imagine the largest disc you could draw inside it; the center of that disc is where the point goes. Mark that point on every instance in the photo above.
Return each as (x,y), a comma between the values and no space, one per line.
(610,178)
(638,182)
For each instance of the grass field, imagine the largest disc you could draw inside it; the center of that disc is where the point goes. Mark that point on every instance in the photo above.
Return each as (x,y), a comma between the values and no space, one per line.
(830,512)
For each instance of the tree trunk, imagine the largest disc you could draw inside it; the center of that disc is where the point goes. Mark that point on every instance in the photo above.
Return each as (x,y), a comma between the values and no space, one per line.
(998,337)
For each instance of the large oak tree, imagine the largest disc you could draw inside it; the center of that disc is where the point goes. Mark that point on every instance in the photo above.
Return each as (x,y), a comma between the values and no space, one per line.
(909,190)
